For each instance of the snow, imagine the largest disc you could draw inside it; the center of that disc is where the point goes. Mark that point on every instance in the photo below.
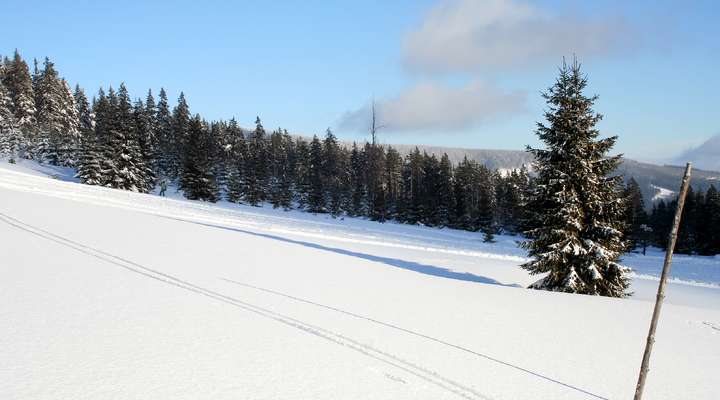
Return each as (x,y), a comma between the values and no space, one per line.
(661,193)
(107,294)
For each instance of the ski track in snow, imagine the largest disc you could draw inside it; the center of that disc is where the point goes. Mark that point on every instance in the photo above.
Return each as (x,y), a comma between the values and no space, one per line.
(404,365)
(421,372)
(339,339)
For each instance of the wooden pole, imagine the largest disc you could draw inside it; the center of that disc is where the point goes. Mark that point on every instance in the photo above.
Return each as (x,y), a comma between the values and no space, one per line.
(644,368)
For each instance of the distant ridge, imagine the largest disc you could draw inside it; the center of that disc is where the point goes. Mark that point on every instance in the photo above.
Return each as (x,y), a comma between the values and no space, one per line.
(652,178)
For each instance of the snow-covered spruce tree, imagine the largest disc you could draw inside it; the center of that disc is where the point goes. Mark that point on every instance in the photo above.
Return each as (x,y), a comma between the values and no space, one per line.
(18,83)
(316,197)
(578,207)
(90,164)
(486,214)
(332,173)
(144,138)
(256,166)
(197,180)
(50,118)
(180,127)
(358,199)
(57,118)
(236,153)
(70,137)
(444,190)
(123,164)
(86,118)
(163,134)
(9,130)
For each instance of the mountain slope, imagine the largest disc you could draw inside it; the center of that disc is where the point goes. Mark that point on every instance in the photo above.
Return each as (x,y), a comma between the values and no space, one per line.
(652,178)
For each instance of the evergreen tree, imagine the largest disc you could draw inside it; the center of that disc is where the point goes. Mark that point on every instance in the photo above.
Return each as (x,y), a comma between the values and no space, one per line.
(18,83)
(711,219)
(303,164)
(580,207)
(281,150)
(143,130)
(9,131)
(444,192)
(377,183)
(165,139)
(49,100)
(486,215)
(332,173)
(661,222)
(197,180)
(85,116)
(256,166)
(153,127)
(91,164)
(123,164)
(236,154)
(636,219)
(358,200)
(687,241)
(180,127)
(413,176)
(316,198)
(393,178)
(464,195)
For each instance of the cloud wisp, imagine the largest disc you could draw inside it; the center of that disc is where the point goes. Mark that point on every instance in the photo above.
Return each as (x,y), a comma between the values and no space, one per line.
(430,106)
(470,39)
(481,35)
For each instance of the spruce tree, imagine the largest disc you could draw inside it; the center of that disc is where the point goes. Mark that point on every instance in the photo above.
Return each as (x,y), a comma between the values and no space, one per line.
(332,173)
(164,134)
(18,83)
(486,214)
(444,191)
(9,131)
(393,178)
(180,126)
(236,187)
(711,218)
(91,165)
(197,180)
(636,219)
(70,138)
(123,164)
(256,166)
(151,113)
(579,206)
(358,199)
(144,136)
(85,116)
(316,196)
(49,100)
(302,173)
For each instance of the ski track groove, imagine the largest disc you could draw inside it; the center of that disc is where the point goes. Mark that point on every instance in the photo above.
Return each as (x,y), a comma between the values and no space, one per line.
(339,339)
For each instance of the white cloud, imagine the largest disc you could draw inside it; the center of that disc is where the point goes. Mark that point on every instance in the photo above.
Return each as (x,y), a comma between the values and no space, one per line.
(434,107)
(476,35)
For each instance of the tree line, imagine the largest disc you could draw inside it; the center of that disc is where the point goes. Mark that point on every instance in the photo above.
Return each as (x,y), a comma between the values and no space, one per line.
(118,142)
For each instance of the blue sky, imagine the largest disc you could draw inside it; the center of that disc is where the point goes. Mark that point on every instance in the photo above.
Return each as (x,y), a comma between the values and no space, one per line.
(446,72)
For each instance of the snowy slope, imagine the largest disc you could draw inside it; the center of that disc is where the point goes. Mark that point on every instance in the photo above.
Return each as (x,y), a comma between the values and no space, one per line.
(113,295)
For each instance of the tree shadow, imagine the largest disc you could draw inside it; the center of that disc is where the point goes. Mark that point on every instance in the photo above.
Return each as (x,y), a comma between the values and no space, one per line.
(394,262)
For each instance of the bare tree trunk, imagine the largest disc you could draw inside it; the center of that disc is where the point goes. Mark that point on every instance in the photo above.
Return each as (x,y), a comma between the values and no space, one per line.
(645,366)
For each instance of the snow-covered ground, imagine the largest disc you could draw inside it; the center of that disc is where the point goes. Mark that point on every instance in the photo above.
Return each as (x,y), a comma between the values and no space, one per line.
(107,294)
(662,193)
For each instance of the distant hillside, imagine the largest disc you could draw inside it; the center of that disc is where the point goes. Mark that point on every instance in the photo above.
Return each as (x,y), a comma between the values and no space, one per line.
(656,181)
